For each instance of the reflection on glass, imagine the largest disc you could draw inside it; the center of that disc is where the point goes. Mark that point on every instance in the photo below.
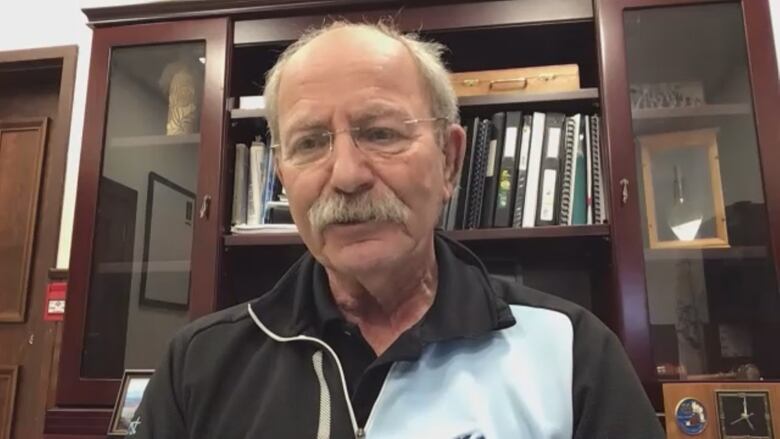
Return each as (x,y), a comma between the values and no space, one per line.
(140,280)
(712,291)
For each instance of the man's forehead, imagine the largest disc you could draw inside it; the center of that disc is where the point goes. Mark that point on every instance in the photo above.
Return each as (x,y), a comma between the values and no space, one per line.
(349,41)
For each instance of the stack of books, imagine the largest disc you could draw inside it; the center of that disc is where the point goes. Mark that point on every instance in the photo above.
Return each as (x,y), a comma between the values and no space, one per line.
(256,205)
(528,170)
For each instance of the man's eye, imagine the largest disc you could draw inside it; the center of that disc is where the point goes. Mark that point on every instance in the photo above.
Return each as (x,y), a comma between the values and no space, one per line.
(310,144)
(380,135)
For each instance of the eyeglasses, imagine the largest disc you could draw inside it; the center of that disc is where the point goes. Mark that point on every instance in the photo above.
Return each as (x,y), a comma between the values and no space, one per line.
(382,138)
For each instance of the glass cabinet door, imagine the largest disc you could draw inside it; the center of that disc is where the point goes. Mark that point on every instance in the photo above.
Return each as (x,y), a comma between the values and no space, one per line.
(139,291)
(146,232)
(712,293)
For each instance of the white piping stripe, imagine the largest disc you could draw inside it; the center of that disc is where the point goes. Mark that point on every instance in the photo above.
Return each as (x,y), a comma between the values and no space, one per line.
(282,339)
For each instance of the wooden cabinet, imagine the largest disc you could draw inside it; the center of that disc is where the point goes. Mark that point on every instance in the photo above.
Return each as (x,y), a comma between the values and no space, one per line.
(122,263)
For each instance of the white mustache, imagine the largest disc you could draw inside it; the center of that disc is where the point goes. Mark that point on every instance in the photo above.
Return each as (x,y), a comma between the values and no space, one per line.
(339,208)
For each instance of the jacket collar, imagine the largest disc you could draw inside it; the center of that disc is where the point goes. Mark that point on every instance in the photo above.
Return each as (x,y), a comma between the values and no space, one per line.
(466,304)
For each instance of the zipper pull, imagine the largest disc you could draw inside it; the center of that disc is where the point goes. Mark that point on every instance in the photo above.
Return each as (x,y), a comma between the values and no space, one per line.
(360,433)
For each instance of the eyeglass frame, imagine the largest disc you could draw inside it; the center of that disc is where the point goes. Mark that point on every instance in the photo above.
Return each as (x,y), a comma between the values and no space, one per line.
(352,130)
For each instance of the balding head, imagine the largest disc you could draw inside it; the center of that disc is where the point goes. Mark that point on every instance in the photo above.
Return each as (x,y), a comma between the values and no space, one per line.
(339,39)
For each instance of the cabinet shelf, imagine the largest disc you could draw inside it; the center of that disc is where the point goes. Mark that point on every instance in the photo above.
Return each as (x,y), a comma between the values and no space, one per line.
(584,95)
(672,119)
(736,252)
(160,140)
(292,238)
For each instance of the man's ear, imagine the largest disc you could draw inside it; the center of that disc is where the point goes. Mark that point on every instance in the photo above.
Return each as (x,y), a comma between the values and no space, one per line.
(278,169)
(454,151)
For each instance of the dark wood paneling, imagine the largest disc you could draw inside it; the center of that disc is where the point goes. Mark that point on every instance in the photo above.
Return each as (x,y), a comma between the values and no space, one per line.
(9,375)
(82,422)
(431,18)
(157,11)
(72,388)
(22,149)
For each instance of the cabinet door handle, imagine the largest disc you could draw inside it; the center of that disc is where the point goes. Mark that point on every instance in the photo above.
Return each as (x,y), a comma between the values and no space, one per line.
(624,191)
(204,206)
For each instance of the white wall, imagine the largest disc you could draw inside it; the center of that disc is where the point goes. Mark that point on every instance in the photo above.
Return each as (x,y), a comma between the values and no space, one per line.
(23,25)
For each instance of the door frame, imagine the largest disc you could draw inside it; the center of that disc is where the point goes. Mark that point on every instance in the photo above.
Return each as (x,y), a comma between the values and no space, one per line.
(50,197)
(630,302)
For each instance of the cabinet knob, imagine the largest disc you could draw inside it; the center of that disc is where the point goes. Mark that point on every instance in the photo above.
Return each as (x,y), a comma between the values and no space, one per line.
(205,206)
(624,191)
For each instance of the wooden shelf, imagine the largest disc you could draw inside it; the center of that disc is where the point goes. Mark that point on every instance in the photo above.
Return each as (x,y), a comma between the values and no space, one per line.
(161,140)
(244,113)
(584,94)
(601,230)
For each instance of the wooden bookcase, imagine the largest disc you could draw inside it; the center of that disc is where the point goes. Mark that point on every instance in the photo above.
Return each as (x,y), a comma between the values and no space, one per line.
(602,267)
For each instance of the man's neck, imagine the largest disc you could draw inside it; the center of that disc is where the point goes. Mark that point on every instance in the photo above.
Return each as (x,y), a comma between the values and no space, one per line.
(387,303)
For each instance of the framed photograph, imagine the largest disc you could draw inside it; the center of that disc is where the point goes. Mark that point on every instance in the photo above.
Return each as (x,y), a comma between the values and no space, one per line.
(131,391)
(165,272)
(683,192)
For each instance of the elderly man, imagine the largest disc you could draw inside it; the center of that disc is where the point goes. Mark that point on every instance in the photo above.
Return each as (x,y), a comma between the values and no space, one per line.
(385,329)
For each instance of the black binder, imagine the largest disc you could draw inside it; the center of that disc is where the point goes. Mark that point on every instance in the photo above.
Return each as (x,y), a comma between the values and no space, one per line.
(495,151)
(507,174)
(547,212)
(477,181)
(465,174)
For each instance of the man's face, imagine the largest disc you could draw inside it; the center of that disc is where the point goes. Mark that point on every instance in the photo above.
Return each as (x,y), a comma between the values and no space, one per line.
(345,79)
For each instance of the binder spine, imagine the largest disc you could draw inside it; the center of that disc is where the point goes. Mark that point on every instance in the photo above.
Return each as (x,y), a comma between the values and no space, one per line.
(522,171)
(568,167)
(598,184)
(478,169)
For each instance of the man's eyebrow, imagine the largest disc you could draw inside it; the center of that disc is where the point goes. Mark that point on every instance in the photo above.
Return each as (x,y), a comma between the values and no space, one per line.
(375,112)
(307,125)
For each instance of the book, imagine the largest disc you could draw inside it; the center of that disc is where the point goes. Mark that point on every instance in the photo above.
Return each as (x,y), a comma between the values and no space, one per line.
(269,180)
(571,133)
(599,201)
(478,170)
(240,184)
(495,151)
(507,174)
(522,171)
(550,170)
(579,190)
(257,160)
(534,170)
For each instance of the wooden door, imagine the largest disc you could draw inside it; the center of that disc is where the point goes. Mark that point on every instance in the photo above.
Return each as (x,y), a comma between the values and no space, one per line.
(22,150)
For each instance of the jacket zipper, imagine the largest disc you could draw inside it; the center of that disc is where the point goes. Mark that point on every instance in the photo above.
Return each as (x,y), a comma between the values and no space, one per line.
(360,432)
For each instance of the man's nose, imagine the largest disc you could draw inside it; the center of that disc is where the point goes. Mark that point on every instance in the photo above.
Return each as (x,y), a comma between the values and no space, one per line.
(352,171)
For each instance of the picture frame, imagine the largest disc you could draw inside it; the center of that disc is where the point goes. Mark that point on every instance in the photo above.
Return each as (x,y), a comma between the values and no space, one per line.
(683,192)
(168,227)
(131,391)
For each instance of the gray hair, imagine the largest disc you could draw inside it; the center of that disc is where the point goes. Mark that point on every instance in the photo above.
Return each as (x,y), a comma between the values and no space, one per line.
(427,55)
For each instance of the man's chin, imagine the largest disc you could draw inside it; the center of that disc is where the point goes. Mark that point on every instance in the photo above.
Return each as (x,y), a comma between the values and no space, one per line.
(363,246)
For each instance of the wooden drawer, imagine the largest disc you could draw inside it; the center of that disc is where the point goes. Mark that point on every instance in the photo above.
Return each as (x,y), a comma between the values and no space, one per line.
(541,79)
